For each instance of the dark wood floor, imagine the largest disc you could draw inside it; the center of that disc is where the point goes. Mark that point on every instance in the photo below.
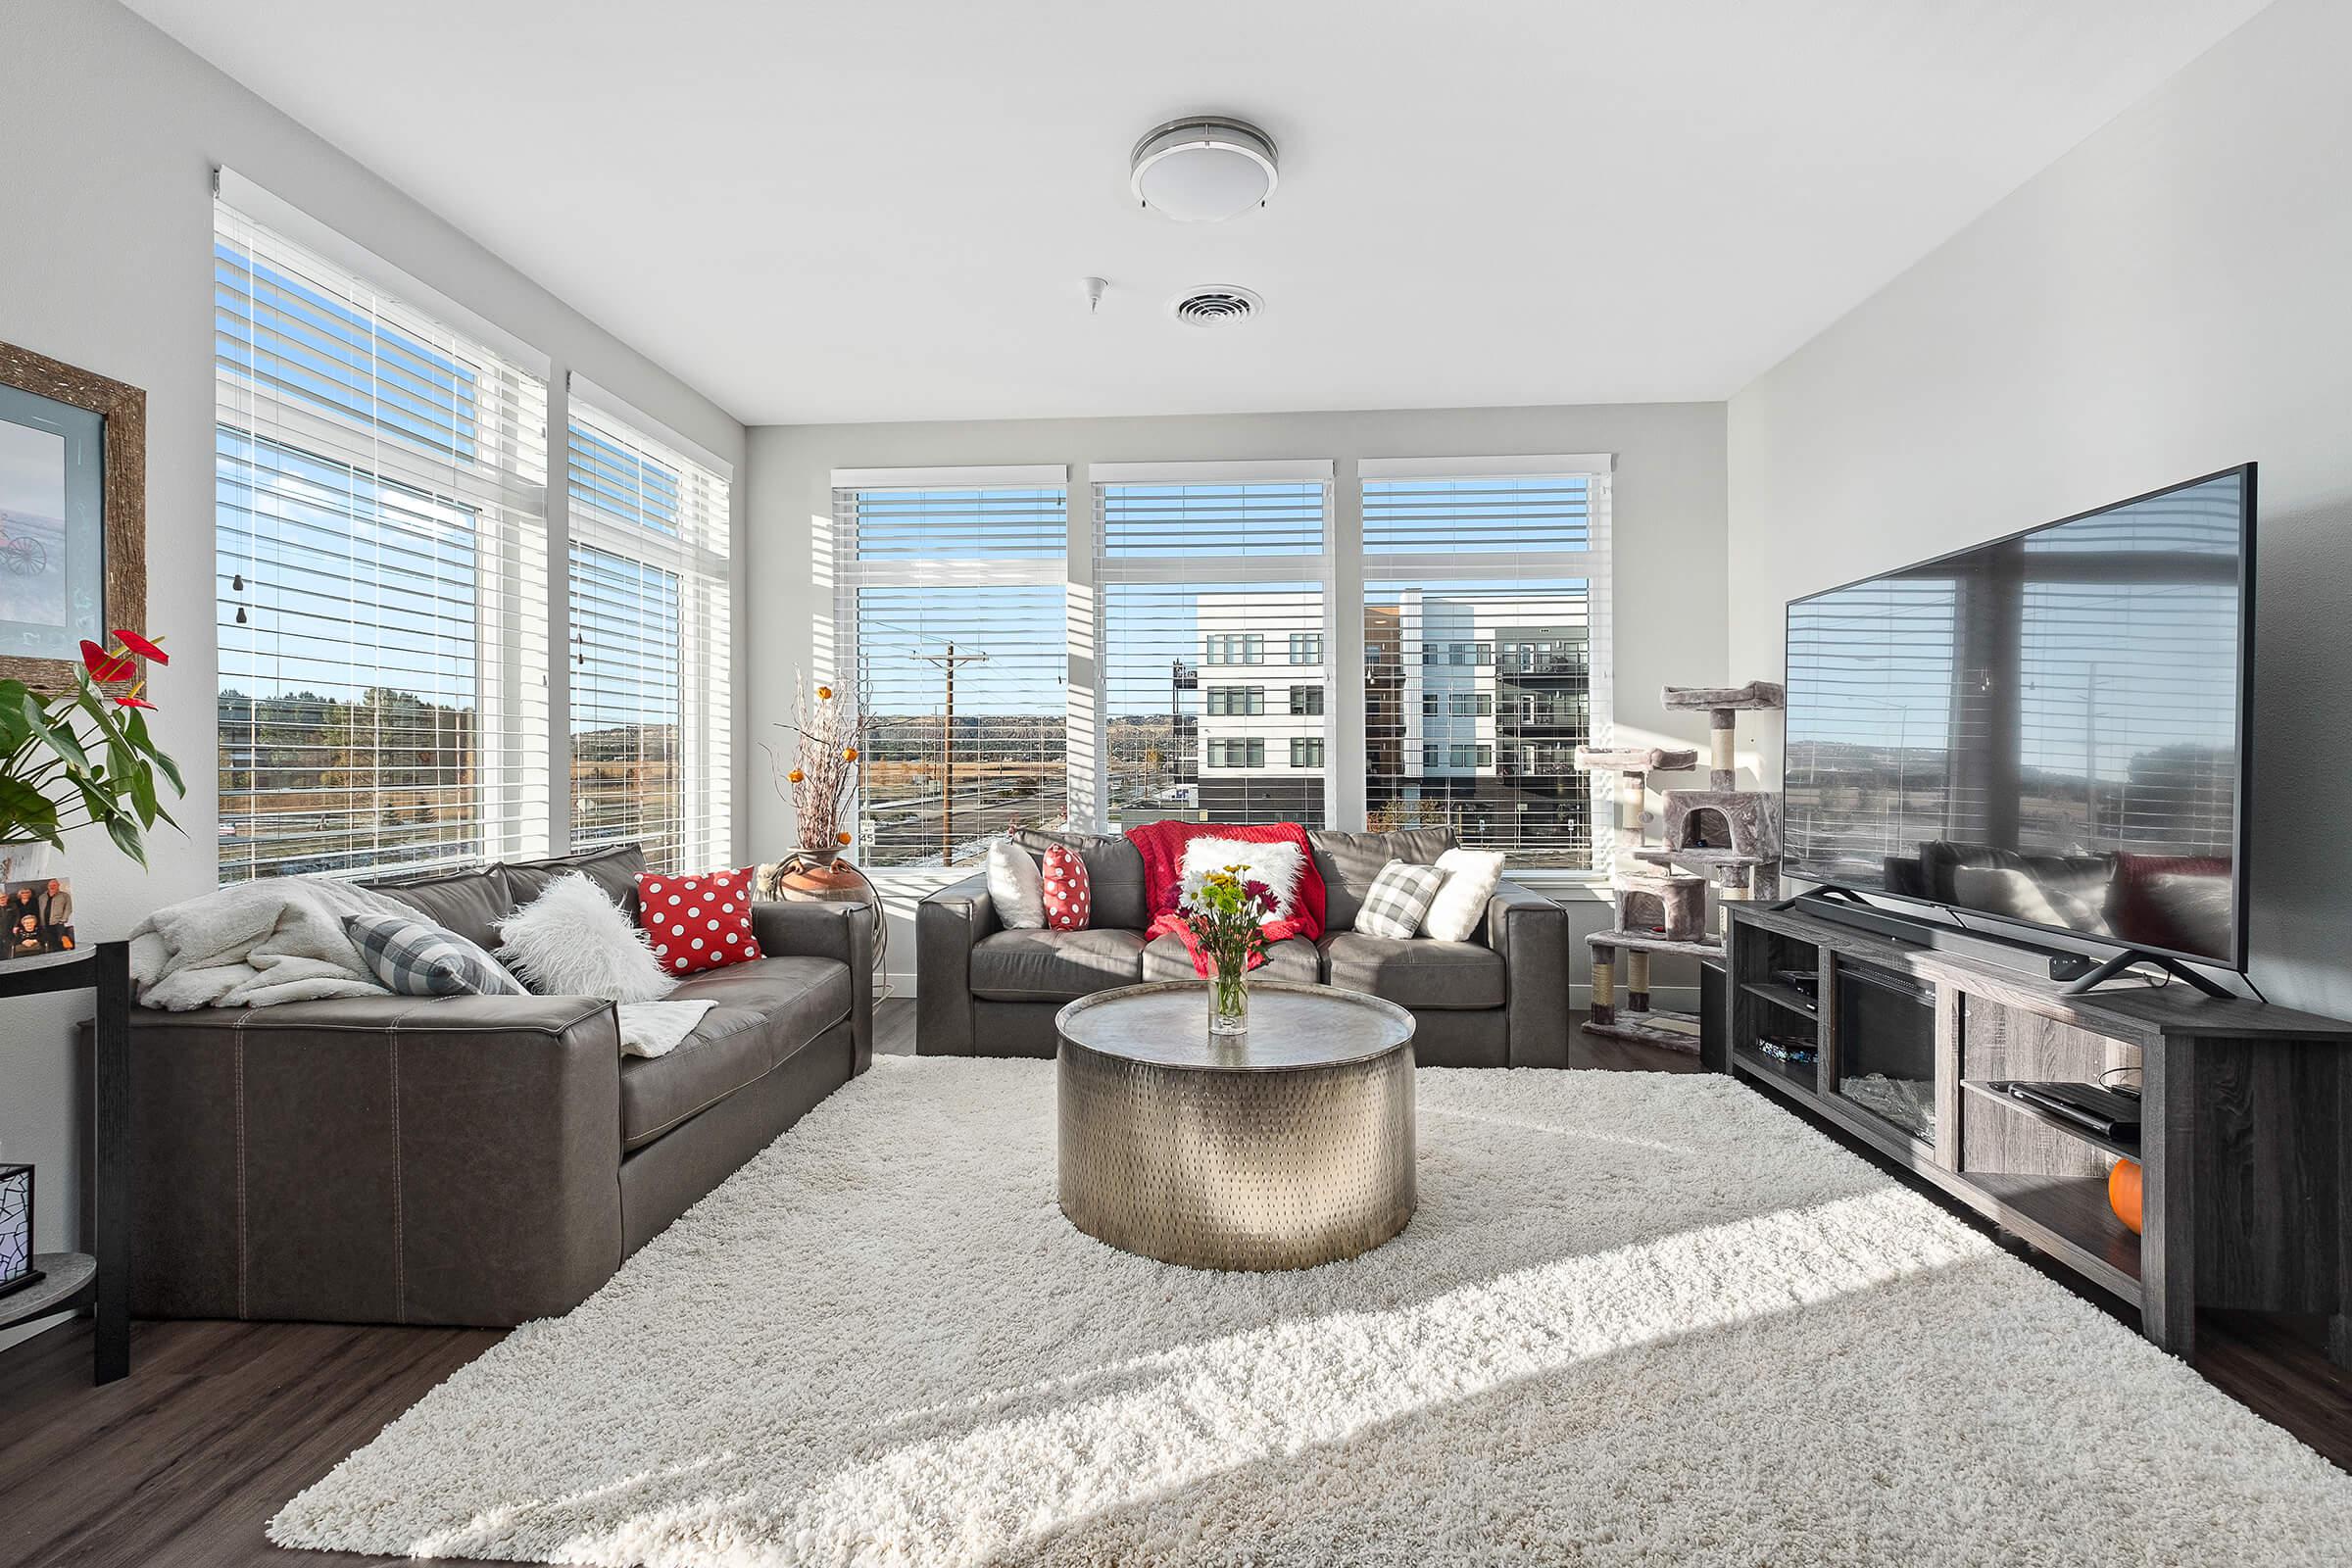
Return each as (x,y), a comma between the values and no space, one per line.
(219,1424)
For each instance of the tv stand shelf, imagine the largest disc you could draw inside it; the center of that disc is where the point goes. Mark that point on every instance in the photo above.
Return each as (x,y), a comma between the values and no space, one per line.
(2246,1154)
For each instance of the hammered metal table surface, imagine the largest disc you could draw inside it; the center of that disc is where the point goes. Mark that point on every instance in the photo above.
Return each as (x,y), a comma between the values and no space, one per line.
(1284,1148)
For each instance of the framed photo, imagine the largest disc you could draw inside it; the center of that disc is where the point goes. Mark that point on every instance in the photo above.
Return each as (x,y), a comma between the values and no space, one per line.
(72,514)
(39,917)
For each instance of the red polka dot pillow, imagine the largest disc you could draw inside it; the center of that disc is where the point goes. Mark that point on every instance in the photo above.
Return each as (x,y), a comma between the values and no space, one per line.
(1069,900)
(697,923)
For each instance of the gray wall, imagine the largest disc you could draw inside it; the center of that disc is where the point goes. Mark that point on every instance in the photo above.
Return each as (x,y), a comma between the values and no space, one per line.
(109,133)
(2172,297)
(1668,518)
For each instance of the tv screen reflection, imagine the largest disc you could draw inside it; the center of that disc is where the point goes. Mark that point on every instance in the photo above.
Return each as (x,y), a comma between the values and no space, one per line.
(2045,728)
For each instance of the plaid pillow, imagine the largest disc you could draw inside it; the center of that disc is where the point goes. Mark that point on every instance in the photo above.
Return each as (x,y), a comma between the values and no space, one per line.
(417,959)
(1398,898)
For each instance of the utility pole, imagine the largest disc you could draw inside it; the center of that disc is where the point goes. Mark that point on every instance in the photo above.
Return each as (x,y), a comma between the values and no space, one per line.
(948,661)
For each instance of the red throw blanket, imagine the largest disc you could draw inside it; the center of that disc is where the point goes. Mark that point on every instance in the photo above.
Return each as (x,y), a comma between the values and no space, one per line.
(1161,845)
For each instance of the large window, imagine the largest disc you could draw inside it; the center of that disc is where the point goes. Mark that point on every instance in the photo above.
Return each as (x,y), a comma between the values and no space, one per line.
(952,617)
(382,590)
(1195,655)
(1483,653)
(651,759)
(1207,574)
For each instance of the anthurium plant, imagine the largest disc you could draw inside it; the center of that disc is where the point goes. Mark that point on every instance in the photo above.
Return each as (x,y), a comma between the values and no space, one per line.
(84,755)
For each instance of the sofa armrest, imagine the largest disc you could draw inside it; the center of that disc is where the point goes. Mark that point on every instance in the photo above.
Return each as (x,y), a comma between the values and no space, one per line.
(1531,933)
(375,1160)
(842,931)
(947,925)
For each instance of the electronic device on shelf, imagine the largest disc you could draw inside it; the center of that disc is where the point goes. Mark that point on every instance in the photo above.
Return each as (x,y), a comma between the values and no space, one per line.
(2000,782)
(1805,982)
(2110,1112)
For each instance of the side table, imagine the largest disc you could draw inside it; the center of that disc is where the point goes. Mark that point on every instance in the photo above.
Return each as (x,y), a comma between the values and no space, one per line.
(102,1275)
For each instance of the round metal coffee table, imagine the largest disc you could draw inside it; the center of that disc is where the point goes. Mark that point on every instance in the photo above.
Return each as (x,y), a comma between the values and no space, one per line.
(1284,1148)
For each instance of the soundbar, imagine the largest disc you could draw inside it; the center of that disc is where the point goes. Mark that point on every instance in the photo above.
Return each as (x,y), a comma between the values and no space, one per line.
(2025,958)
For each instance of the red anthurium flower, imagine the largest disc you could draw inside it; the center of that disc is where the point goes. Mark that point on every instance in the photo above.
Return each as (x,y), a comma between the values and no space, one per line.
(136,702)
(105,667)
(141,646)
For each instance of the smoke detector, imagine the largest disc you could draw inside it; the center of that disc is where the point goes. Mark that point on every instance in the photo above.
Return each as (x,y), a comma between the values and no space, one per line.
(1203,169)
(1221,305)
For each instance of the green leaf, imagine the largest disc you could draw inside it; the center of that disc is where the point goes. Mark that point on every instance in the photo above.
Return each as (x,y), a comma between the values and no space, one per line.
(126,838)
(137,727)
(58,737)
(142,794)
(24,810)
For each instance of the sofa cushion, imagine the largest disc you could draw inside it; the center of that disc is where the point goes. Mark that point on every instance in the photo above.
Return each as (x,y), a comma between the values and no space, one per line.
(1114,873)
(1293,959)
(1349,861)
(734,1046)
(804,997)
(1056,965)
(615,869)
(763,1011)
(469,904)
(1415,973)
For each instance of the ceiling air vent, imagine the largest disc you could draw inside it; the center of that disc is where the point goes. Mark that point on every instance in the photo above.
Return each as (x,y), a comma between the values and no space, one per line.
(1221,306)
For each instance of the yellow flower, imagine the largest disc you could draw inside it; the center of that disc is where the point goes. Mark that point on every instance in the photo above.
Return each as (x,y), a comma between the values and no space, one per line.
(824,694)
(795,775)
(849,754)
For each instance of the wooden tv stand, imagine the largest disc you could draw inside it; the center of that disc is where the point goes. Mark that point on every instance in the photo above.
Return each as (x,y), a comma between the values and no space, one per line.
(2246,1141)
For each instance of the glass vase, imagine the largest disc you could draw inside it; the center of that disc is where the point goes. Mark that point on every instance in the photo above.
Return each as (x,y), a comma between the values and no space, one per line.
(1228,997)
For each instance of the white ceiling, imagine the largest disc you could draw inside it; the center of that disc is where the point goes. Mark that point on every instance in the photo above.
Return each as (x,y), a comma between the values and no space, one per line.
(882,209)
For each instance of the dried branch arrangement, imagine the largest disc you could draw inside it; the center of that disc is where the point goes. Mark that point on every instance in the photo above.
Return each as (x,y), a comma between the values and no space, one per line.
(821,778)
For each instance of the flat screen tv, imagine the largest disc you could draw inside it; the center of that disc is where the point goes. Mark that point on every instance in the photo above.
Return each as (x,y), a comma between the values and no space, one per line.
(2049,730)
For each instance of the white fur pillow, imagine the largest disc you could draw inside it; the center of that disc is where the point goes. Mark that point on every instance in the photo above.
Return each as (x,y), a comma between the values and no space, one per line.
(1470,878)
(573,941)
(1278,865)
(1016,887)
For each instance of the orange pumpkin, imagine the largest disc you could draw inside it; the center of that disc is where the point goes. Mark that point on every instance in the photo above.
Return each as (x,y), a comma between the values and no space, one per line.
(2123,1193)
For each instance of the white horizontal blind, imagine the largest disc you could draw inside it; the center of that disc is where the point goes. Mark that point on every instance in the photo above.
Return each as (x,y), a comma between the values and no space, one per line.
(652,647)
(382,576)
(1215,647)
(1485,650)
(951,612)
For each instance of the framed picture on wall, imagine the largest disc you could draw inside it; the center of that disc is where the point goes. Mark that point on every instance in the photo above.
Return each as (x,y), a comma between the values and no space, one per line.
(72,514)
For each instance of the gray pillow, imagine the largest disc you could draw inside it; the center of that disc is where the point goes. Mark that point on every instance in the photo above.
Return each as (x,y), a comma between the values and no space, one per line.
(1349,861)
(417,959)
(1114,873)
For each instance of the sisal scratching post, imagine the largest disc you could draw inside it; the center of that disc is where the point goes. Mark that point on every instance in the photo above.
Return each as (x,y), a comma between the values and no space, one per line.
(1605,985)
(1723,753)
(1637,982)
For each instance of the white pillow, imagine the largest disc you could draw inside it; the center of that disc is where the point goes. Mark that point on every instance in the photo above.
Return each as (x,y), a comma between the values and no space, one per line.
(1278,865)
(1016,887)
(573,941)
(1461,904)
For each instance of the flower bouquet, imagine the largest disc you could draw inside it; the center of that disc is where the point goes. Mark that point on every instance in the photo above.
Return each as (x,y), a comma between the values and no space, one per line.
(1226,912)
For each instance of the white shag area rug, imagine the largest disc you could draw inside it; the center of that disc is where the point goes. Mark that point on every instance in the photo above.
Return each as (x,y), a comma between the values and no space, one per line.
(1639,1319)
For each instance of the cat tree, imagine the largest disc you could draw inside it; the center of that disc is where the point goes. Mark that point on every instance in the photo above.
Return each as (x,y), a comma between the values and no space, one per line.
(1721,835)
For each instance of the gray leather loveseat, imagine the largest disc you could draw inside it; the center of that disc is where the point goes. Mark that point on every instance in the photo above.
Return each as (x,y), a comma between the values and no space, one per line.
(1499,999)
(474,1161)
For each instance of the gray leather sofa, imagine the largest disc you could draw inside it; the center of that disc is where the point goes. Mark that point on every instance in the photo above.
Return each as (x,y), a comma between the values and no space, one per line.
(1497,1000)
(477,1160)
